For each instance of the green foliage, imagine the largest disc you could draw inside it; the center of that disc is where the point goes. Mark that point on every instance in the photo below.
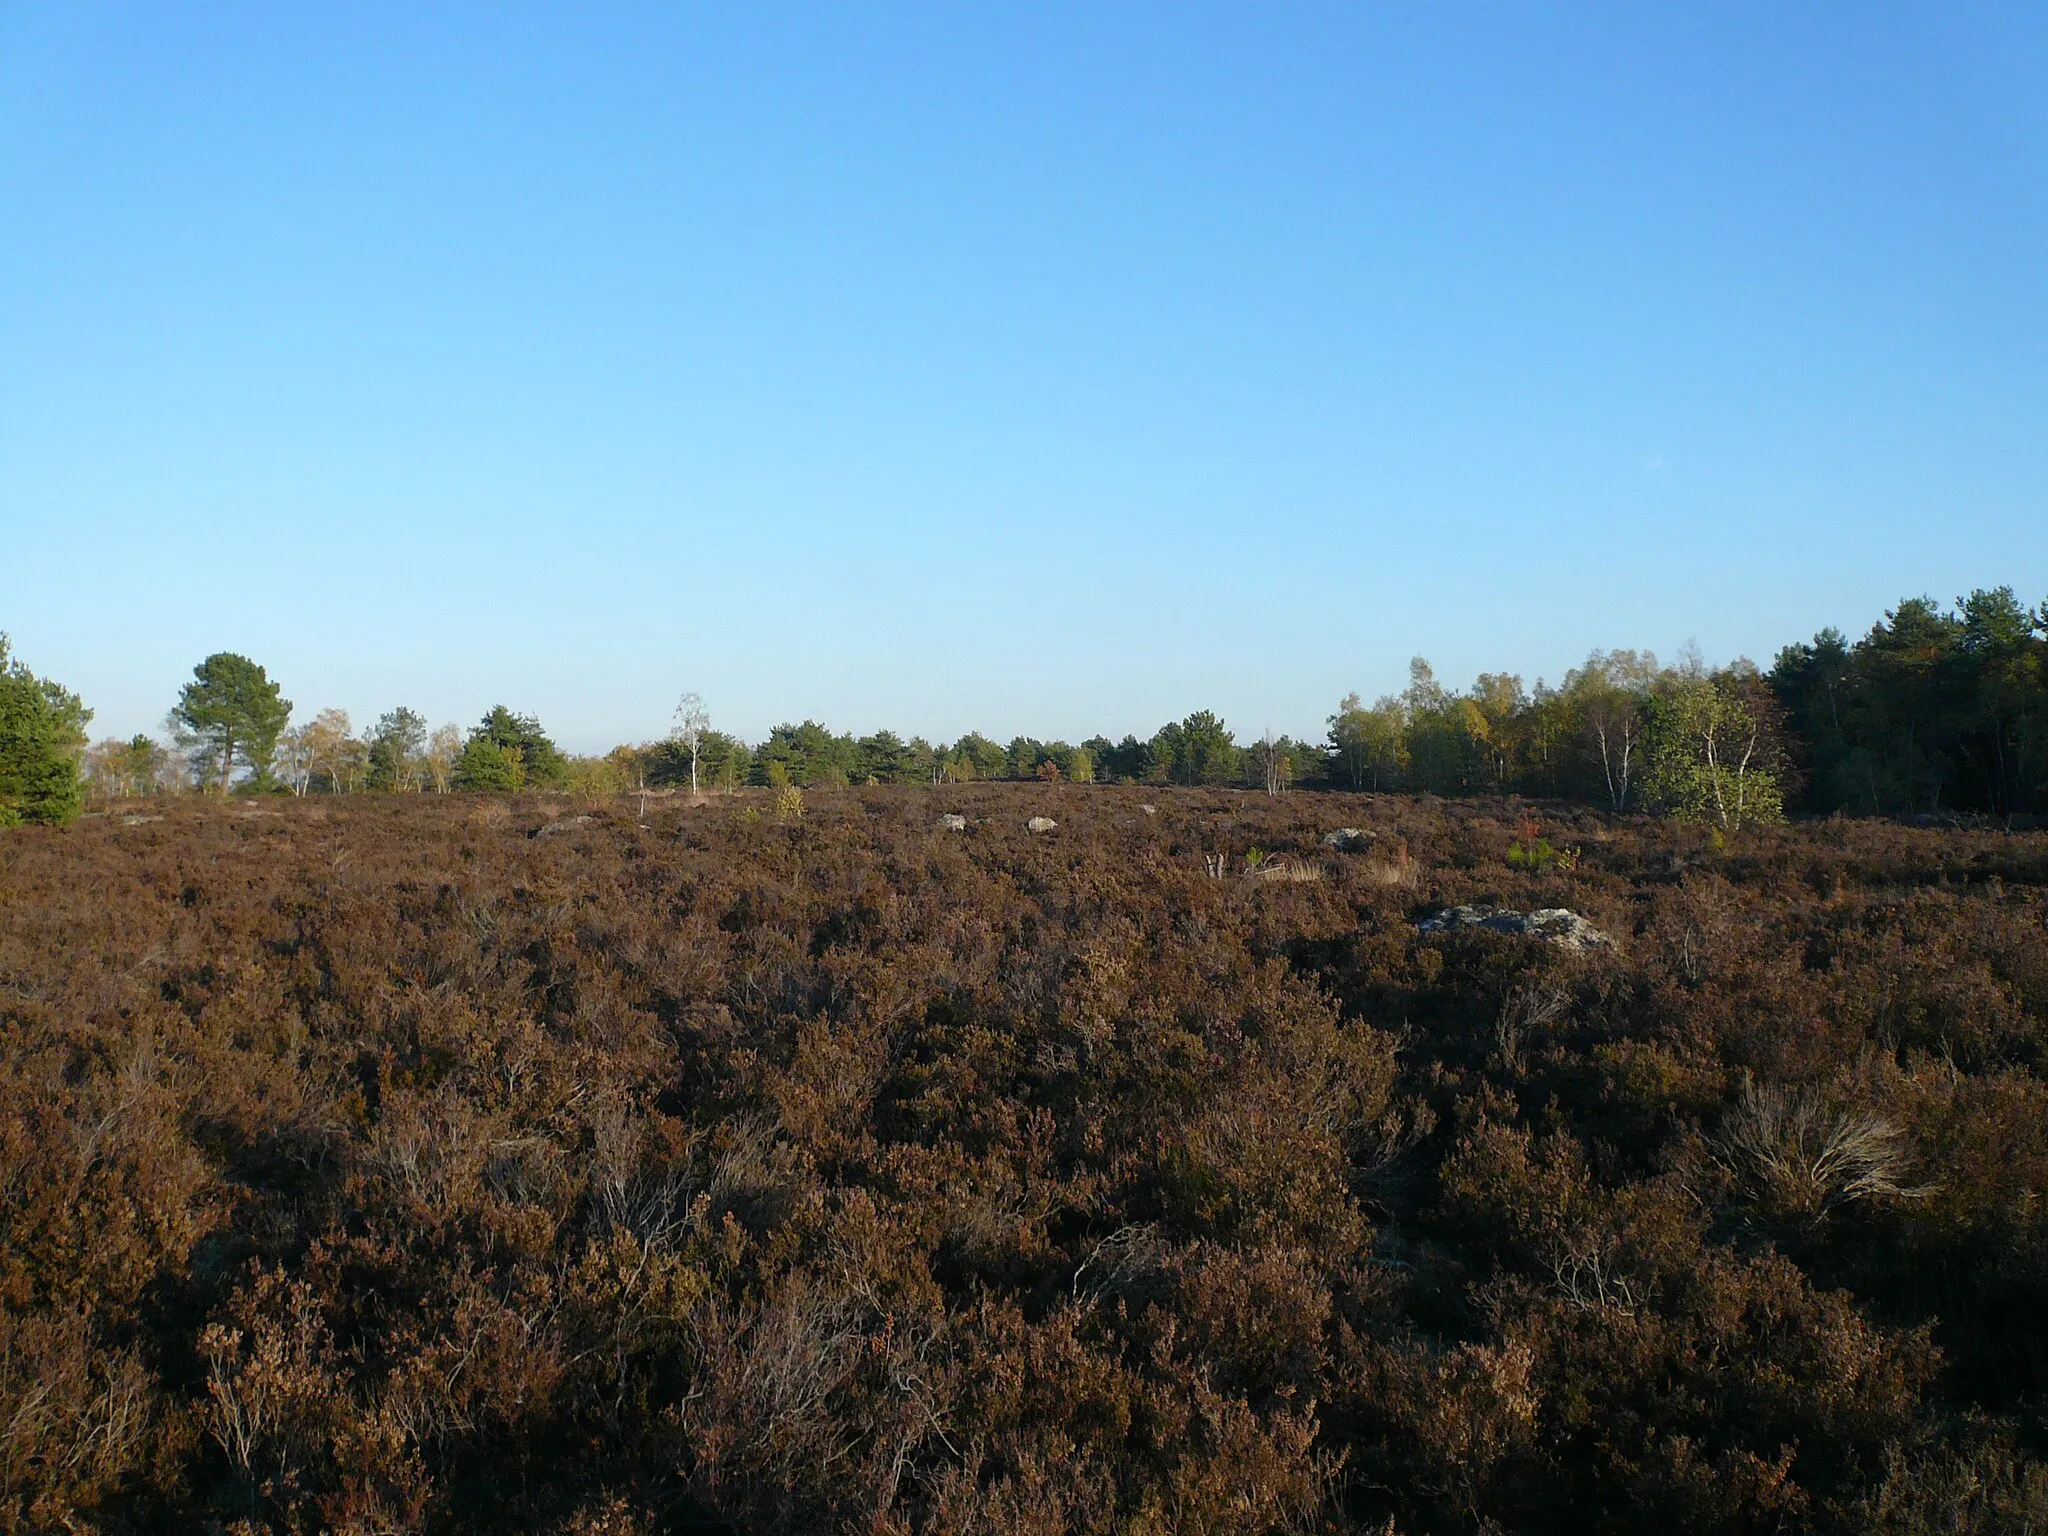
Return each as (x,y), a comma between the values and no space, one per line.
(42,733)
(1198,750)
(490,765)
(137,766)
(593,779)
(1711,752)
(1933,710)
(236,714)
(724,761)
(808,754)
(984,757)
(1369,746)
(1593,737)
(886,758)
(1539,854)
(1024,757)
(1929,711)
(397,750)
(1446,746)
(519,742)
(1129,761)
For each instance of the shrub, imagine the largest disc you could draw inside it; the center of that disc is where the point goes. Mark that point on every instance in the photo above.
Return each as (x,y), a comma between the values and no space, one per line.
(378,1165)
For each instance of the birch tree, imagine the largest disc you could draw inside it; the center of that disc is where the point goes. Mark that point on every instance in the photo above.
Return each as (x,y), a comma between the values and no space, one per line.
(1710,753)
(444,748)
(293,759)
(1611,691)
(332,749)
(692,721)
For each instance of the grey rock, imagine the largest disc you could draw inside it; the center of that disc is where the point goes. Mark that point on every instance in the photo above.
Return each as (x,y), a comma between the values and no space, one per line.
(1149,810)
(136,821)
(1554,925)
(1348,839)
(953,822)
(1040,824)
(565,825)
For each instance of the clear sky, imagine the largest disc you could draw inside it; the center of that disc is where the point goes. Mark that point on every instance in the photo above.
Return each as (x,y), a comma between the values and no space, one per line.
(1031,368)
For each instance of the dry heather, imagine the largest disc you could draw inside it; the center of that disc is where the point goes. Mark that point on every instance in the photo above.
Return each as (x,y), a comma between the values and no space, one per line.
(381,1166)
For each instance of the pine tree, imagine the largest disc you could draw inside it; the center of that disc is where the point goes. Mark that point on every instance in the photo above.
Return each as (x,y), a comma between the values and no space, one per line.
(42,733)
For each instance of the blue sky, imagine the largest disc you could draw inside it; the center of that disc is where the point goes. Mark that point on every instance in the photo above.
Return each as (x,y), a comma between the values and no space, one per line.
(1025,368)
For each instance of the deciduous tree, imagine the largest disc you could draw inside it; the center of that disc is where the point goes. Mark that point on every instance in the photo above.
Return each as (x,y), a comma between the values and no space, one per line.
(1609,694)
(332,752)
(1711,752)
(137,766)
(397,744)
(444,747)
(294,759)
(691,722)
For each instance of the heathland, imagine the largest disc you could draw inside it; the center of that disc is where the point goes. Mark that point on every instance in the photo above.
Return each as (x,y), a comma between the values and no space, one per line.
(797,1162)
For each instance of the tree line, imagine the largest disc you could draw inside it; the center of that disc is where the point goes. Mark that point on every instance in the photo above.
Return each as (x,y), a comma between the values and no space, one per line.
(1933,711)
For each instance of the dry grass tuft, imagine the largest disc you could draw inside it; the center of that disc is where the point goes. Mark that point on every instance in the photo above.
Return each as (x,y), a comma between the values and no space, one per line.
(1793,1152)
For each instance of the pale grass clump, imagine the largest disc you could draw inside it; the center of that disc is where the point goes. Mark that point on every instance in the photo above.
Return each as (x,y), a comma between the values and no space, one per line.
(1398,872)
(1793,1151)
(1286,871)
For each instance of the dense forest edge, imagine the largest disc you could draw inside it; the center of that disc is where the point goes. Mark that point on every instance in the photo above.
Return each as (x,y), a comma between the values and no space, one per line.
(1933,713)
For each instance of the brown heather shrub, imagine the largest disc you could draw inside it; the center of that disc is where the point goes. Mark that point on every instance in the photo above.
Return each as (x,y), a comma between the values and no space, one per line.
(377,1165)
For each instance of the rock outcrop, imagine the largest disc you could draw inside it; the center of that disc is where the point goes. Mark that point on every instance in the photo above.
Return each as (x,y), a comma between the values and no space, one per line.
(1348,839)
(1040,824)
(1554,925)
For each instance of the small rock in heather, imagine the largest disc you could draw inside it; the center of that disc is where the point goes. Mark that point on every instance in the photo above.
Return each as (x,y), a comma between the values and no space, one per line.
(1040,824)
(953,822)
(1554,925)
(1347,839)
(1149,810)
(561,826)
